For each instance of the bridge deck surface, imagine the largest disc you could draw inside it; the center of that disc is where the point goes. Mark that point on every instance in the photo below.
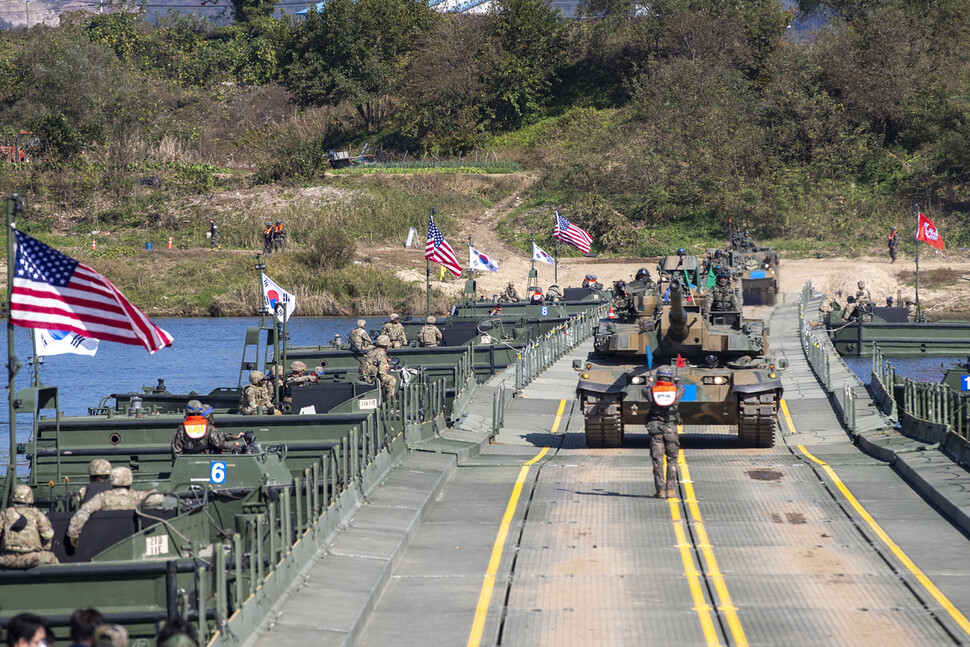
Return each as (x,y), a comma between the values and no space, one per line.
(761,547)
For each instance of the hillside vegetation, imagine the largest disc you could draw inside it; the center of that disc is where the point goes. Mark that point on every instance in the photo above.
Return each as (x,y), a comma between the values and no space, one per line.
(651,128)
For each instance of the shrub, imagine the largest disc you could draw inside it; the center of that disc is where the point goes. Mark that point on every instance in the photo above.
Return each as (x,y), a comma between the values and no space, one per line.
(330,248)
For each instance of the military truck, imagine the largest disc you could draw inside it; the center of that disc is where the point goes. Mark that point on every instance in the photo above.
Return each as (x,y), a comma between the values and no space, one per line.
(719,358)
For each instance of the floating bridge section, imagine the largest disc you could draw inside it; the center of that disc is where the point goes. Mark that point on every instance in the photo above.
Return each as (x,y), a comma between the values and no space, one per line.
(505,529)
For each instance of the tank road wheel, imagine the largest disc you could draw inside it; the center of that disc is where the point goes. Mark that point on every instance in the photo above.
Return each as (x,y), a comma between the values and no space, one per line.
(757,417)
(603,425)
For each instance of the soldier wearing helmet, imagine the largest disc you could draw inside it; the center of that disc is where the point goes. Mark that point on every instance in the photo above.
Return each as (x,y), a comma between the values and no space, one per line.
(554,292)
(586,280)
(375,365)
(268,238)
(98,472)
(509,293)
(279,236)
(662,419)
(256,396)
(119,497)
(594,282)
(214,235)
(721,297)
(359,337)
(395,332)
(893,244)
(25,533)
(198,434)
(429,335)
(297,376)
(537,299)
(862,295)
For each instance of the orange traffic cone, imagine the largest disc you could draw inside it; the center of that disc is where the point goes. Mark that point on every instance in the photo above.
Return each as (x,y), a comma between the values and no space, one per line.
(170,242)
(610,314)
(94,245)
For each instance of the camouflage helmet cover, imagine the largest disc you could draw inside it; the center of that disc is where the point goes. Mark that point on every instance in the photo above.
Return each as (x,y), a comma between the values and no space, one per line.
(361,323)
(110,635)
(318,370)
(394,316)
(383,340)
(121,477)
(664,372)
(99,467)
(255,377)
(279,370)
(193,406)
(297,366)
(431,319)
(23,494)
(861,284)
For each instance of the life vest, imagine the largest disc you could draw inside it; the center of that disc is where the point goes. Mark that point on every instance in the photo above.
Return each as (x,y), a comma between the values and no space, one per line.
(268,231)
(196,427)
(664,394)
(278,228)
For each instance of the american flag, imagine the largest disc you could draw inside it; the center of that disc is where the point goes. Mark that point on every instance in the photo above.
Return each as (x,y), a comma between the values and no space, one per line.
(438,250)
(570,233)
(51,290)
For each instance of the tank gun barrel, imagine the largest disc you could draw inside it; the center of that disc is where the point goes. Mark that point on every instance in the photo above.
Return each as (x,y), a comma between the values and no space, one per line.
(677,315)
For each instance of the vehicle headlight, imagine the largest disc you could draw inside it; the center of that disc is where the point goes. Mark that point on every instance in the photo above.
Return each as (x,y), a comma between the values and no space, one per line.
(720,379)
(636,380)
(585,376)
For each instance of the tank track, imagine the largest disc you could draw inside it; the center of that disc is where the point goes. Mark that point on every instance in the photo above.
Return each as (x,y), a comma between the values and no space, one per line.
(757,419)
(604,428)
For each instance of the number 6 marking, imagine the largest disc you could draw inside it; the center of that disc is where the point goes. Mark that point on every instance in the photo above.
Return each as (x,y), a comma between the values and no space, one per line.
(217,472)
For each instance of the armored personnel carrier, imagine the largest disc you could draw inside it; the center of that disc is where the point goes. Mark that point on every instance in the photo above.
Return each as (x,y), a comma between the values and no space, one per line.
(758,268)
(720,358)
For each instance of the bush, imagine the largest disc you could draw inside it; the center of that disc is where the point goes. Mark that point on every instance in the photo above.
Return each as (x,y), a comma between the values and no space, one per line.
(330,248)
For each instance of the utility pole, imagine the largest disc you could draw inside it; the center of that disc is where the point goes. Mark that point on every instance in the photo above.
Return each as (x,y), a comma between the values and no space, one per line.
(28,14)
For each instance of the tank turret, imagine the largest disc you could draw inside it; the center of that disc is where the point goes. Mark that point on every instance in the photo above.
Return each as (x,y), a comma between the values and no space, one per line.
(676,315)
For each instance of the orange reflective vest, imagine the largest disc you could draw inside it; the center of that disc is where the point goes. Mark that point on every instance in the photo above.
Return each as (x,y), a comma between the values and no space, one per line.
(196,427)
(664,394)
(278,228)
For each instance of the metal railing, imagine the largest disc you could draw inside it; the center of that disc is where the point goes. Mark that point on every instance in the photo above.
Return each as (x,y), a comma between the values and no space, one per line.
(930,402)
(541,353)
(821,356)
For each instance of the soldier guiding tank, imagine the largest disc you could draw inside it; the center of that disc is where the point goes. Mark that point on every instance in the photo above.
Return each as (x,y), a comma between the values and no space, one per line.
(661,419)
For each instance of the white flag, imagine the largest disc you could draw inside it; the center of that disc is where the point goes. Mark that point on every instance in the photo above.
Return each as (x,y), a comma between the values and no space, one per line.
(277,300)
(59,342)
(479,261)
(411,234)
(539,255)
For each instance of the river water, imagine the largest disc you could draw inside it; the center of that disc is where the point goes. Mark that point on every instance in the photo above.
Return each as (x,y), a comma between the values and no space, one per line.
(206,355)
(925,369)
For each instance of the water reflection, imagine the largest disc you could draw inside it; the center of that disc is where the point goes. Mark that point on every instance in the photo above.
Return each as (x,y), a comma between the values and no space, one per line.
(925,369)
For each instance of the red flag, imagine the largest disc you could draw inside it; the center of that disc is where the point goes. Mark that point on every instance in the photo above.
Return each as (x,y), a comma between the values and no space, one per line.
(927,232)
(681,363)
(51,290)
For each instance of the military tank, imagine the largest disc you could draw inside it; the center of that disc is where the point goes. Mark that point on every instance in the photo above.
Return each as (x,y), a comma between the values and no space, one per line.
(757,267)
(719,358)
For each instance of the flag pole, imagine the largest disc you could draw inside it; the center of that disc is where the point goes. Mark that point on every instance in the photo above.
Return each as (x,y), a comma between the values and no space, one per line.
(260,266)
(555,267)
(35,379)
(427,272)
(14,206)
(916,209)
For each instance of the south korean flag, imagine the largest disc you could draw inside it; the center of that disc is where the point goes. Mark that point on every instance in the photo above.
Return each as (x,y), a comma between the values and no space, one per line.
(59,342)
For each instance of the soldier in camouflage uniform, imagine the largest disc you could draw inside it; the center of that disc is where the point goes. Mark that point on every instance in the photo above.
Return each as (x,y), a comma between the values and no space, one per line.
(198,434)
(429,335)
(119,497)
(554,292)
(395,332)
(375,365)
(662,420)
(298,376)
(256,395)
(862,295)
(360,338)
(98,472)
(509,293)
(25,533)
(721,297)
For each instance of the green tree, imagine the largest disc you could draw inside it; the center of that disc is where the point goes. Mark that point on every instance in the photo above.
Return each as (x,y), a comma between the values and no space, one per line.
(355,51)
(531,38)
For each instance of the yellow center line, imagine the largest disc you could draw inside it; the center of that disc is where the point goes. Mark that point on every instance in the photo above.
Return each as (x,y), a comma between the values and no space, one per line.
(784,411)
(896,550)
(703,542)
(693,577)
(488,585)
